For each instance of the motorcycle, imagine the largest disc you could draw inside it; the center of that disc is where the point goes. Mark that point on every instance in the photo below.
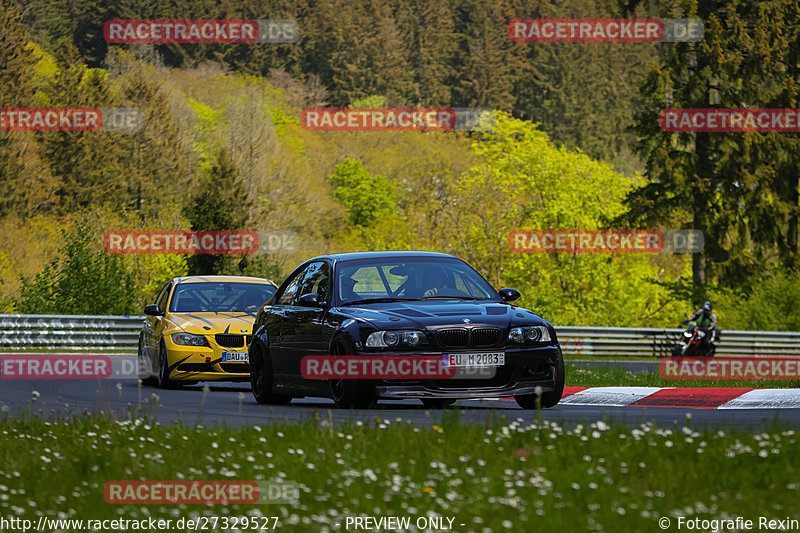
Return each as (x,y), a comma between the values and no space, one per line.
(692,342)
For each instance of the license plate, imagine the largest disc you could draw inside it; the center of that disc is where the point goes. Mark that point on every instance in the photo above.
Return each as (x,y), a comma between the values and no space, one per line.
(474,359)
(235,357)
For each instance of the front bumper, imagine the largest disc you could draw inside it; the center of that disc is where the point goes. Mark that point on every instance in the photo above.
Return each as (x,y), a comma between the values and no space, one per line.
(201,363)
(416,391)
(527,371)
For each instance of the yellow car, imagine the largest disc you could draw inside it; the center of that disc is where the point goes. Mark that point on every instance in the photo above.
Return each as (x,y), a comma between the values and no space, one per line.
(199,328)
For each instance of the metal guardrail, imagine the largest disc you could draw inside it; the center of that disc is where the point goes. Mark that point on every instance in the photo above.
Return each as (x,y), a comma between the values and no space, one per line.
(70,333)
(121,334)
(655,342)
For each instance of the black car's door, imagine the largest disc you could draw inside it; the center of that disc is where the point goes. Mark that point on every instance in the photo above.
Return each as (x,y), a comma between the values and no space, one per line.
(304,326)
(276,326)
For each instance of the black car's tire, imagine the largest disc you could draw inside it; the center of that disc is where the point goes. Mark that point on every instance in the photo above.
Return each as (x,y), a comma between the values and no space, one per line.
(163,370)
(549,398)
(527,401)
(150,380)
(261,378)
(350,393)
(437,403)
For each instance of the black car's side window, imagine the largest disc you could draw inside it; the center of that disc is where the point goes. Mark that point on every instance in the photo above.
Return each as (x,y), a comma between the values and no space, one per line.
(287,298)
(316,280)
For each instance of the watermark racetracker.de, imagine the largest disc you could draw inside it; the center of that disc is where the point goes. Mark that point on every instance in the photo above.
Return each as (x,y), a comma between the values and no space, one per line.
(200,492)
(715,120)
(727,368)
(605,241)
(198,242)
(120,119)
(401,367)
(609,30)
(397,119)
(34,366)
(193,31)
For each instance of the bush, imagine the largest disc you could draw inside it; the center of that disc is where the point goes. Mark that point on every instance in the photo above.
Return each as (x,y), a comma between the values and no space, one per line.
(768,304)
(81,281)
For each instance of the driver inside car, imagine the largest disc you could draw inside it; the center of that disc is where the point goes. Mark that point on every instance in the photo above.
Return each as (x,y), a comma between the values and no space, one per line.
(434,283)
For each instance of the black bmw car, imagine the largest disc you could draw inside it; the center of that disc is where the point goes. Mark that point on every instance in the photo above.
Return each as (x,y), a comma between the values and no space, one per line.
(414,305)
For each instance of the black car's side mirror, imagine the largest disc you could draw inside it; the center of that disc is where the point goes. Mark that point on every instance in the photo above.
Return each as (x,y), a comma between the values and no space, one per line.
(309,300)
(153,310)
(509,295)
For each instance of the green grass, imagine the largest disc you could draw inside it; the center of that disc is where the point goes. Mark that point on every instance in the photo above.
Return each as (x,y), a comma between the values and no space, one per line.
(504,476)
(581,376)
(621,357)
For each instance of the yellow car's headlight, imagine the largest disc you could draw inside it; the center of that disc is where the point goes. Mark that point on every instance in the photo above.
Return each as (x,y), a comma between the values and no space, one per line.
(188,339)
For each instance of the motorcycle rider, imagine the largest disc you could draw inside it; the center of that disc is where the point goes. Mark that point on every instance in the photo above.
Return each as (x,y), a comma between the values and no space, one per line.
(706,320)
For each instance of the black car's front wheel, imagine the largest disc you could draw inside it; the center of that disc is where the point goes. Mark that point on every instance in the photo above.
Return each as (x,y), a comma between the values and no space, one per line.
(549,398)
(350,393)
(261,378)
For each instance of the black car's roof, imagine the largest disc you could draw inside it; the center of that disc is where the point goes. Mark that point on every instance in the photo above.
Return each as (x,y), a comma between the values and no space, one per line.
(378,255)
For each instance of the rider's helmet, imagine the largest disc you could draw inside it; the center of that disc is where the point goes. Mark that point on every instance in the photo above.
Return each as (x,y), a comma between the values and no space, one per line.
(707,308)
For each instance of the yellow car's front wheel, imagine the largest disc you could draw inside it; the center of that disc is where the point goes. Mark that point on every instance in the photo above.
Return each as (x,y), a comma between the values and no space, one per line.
(163,370)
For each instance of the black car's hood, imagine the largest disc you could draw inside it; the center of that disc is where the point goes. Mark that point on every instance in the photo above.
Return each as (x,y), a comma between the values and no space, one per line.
(436,313)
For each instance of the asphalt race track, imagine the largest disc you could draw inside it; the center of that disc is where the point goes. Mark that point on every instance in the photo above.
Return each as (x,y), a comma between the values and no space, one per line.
(232,404)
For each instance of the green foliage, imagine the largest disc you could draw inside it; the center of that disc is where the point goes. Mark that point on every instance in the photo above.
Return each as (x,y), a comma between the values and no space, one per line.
(151,272)
(366,197)
(256,265)
(219,204)
(370,101)
(740,189)
(5,273)
(770,304)
(207,119)
(281,119)
(81,281)
(221,148)
(523,181)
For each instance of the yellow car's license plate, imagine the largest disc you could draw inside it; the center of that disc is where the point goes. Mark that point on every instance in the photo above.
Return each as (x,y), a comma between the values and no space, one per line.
(235,357)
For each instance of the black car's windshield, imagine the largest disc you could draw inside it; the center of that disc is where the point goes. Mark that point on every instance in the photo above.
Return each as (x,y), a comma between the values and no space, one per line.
(388,279)
(219,297)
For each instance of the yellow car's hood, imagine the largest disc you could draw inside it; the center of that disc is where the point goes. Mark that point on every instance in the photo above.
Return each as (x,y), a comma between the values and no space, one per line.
(223,322)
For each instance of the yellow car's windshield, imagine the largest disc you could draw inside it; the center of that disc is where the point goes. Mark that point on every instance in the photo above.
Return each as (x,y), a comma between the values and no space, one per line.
(219,297)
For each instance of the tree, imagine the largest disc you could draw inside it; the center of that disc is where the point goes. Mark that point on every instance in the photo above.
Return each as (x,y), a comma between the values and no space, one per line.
(220,203)
(432,48)
(522,181)
(25,183)
(82,281)
(366,197)
(739,189)
(581,93)
(489,62)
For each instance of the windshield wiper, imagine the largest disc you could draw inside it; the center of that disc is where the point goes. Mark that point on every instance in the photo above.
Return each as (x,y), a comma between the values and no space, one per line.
(381,300)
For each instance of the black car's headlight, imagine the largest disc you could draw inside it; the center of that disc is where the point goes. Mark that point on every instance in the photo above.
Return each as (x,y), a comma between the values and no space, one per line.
(529,335)
(394,339)
(189,339)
